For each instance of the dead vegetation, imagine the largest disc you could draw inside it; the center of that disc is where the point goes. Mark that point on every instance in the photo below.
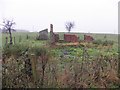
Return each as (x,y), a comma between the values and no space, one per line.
(37,67)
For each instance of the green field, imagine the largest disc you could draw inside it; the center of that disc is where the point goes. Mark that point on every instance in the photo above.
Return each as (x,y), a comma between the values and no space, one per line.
(33,35)
(87,65)
(22,38)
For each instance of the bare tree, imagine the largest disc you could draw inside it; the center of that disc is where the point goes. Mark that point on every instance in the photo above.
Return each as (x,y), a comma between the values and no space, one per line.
(8,24)
(69,26)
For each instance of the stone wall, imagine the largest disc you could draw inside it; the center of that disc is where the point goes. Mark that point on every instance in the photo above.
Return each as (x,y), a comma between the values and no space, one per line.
(53,36)
(71,38)
(88,38)
(43,35)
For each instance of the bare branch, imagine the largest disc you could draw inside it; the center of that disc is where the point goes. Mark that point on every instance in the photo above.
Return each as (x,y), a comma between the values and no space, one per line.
(69,26)
(8,27)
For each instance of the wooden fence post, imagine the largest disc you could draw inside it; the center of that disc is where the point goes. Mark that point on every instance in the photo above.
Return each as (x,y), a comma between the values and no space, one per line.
(6,40)
(20,39)
(14,40)
(33,63)
(27,37)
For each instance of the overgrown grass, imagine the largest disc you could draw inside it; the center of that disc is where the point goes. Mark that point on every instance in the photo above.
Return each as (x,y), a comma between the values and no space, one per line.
(32,63)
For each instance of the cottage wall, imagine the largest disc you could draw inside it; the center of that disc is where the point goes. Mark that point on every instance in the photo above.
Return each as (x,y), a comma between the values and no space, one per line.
(43,35)
(53,37)
(88,38)
(70,38)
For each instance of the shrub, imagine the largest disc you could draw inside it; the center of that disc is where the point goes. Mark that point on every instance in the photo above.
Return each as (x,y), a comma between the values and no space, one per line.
(107,42)
(38,51)
(104,43)
(98,42)
(15,50)
(110,42)
(42,55)
(6,51)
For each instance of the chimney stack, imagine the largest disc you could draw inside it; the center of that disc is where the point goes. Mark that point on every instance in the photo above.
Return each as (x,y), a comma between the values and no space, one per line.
(51,28)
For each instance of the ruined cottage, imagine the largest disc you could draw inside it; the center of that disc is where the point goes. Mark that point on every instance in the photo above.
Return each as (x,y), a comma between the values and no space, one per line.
(54,37)
(43,35)
(88,38)
(71,38)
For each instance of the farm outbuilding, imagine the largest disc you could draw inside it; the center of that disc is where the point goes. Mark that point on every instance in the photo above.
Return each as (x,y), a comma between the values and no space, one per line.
(54,37)
(88,38)
(71,38)
(68,37)
(43,35)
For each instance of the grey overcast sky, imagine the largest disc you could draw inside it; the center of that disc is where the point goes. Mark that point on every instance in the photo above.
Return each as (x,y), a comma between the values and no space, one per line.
(97,16)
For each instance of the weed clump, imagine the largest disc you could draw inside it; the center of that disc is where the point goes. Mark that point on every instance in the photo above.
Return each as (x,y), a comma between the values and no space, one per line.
(103,42)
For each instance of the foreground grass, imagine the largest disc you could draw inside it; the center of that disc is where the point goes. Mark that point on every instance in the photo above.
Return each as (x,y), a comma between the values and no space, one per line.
(31,63)
(68,67)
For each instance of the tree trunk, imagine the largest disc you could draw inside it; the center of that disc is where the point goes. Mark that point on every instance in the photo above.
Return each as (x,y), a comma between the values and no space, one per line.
(14,40)
(6,41)
(69,30)
(10,36)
